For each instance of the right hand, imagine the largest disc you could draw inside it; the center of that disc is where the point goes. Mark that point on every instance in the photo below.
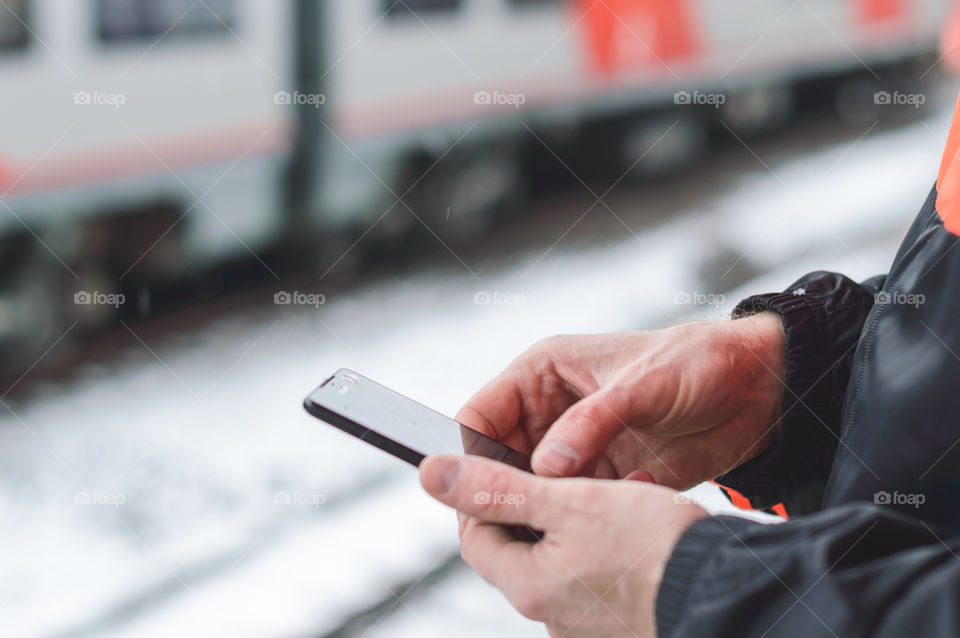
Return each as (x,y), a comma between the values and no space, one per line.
(685,404)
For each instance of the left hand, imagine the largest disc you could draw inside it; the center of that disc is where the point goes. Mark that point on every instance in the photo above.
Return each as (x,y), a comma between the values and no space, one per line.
(597,570)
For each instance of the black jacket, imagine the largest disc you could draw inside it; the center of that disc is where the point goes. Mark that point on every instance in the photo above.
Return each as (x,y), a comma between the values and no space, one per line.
(867,464)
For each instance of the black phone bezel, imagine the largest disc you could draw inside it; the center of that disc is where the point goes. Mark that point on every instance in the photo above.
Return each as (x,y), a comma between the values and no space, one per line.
(365,434)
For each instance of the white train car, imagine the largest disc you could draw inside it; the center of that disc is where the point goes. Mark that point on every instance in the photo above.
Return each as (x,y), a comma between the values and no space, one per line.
(138,140)
(145,140)
(428,76)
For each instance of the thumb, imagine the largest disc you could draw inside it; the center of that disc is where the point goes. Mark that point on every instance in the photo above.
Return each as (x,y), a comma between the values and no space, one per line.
(582,433)
(491,491)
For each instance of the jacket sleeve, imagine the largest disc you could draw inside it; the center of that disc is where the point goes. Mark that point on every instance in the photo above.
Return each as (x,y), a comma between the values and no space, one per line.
(823,314)
(858,570)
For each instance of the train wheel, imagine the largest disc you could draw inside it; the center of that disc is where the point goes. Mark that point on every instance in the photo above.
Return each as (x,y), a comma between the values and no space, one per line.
(36,300)
(758,110)
(654,145)
(863,99)
(462,197)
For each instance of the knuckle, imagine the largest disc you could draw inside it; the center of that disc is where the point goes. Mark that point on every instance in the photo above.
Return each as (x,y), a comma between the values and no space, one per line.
(580,498)
(593,420)
(529,599)
(496,479)
(469,545)
(489,484)
(533,353)
(466,551)
(545,349)
(567,617)
(553,340)
(589,412)
(464,524)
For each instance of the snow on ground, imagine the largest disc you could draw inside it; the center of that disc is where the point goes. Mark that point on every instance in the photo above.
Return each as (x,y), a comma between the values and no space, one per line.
(181,490)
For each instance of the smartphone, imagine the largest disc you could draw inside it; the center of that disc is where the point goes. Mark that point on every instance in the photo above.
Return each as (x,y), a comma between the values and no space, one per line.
(398,425)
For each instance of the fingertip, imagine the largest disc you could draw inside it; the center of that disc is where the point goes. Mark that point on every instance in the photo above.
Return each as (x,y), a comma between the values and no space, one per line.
(640,475)
(555,458)
(475,420)
(439,474)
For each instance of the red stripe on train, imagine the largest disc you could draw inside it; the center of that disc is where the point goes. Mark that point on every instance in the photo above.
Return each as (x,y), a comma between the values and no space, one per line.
(6,176)
(133,160)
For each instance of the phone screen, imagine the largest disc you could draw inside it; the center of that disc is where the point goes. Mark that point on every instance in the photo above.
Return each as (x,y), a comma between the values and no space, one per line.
(399,425)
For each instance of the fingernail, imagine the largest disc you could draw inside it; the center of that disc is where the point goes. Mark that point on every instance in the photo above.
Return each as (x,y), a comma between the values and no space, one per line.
(448,474)
(559,458)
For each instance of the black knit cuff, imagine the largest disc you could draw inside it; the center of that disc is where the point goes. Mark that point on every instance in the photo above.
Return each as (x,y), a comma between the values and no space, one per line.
(693,552)
(806,397)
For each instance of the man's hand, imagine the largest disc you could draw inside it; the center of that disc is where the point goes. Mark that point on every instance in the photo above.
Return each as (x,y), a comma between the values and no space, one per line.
(686,404)
(597,570)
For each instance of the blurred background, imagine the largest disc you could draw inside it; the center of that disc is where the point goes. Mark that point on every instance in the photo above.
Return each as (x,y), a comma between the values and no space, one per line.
(208,206)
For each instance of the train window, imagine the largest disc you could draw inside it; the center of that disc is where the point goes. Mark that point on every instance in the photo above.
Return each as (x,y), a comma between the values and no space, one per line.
(14,33)
(152,19)
(408,8)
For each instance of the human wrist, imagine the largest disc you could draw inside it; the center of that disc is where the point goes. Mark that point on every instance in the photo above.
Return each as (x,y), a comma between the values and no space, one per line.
(762,341)
(765,333)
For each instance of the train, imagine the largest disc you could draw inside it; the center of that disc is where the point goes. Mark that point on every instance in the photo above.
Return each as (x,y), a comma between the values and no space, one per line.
(145,141)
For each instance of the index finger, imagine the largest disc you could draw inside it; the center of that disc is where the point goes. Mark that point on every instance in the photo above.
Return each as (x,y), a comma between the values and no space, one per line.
(495,410)
(493,553)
